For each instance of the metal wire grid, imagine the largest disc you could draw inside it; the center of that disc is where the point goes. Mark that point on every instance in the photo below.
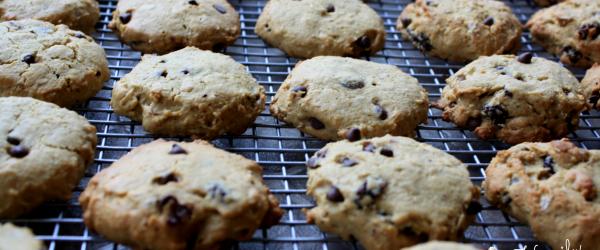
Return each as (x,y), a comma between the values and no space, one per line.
(282,150)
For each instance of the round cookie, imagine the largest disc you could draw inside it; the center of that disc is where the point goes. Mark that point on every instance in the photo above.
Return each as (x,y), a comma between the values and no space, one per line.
(553,187)
(50,63)
(77,14)
(570,30)
(515,99)
(460,30)
(17,238)
(334,98)
(442,245)
(591,86)
(312,28)
(189,92)
(390,192)
(44,151)
(162,26)
(175,196)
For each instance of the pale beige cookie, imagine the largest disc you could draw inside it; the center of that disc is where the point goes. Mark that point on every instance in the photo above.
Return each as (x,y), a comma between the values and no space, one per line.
(179,196)
(189,92)
(312,28)
(162,26)
(515,99)
(553,187)
(334,98)
(390,192)
(50,62)
(44,151)
(460,30)
(77,14)
(442,245)
(591,86)
(18,238)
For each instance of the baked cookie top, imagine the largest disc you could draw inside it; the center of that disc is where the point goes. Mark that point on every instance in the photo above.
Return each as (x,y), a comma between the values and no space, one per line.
(442,245)
(460,30)
(189,92)
(553,187)
(77,14)
(512,98)
(591,86)
(178,195)
(50,62)
(162,26)
(18,238)
(312,28)
(334,98)
(44,151)
(390,192)
(569,30)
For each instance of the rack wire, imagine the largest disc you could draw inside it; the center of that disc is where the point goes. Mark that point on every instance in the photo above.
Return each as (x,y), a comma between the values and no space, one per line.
(282,150)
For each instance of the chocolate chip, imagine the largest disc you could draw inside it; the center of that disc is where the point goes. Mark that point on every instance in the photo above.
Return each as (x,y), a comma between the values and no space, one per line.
(164,73)
(300,89)
(363,42)
(163,180)
(321,153)
(18,151)
(353,134)
(473,123)
(387,152)
(369,147)
(589,30)
(334,194)
(353,84)
(474,208)
(525,57)
(176,149)
(192,2)
(216,191)
(13,140)
(406,22)
(79,35)
(177,213)
(98,73)
(594,98)
(489,21)
(185,71)
(347,162)
(381,112)
(496,113)
(508,93)
(315,123)
(29,59)
(573,55)
(125,17)
(410,232)
(330,8)
(420,40)
(220,8)
(549,164)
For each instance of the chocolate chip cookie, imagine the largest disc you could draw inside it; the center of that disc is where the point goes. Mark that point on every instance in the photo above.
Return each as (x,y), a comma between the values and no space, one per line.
(569,30)
(553,187)
(44,150)
(162,26)
(460,30)
(311,28)
(336,98)
(390,192)
(50,62)
(170,195)
(77,14)
(591,86)
(515,99)
(442,245)
(17,238)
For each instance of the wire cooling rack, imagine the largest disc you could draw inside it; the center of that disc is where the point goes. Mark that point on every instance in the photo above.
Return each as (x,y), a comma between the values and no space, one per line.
(282,150)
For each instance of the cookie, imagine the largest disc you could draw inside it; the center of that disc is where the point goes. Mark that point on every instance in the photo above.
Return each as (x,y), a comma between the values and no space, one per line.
(77,14)
(17,238)
(189,92)
(162,26)
(50,62)
(333,98)
(515,99)
(171,196)
(569,30)
(442,245)
(544,3)
(44,151)
(553,187)
(312,28)
(390,192)
(591,86)
(460,30)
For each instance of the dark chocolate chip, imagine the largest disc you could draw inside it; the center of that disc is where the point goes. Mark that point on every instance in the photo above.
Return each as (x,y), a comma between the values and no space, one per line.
(313,162)
(185,71)
(216,191)
(13,140)
(387,152)
(315,123)
(363,42)
(353,134)
(162,61)
(589,30)
(473,123)
(420,40)
(193,2)
(369,147)
(125,17)
(525,57)
(573,55)
(489,21)
(549,164)
(29,59)
(300,89)
(176,213)
(164,73)
(508,93)
(163,180)
(330,8)
(347,162)
(98,73)
(353,84)
(220,8)
(18,151)
(594,98)
(474,208)
(406,22)
(176,149)
(496,112)
(381,112)
(334,194)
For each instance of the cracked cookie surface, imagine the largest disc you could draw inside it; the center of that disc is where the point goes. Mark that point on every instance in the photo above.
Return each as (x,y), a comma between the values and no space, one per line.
(44,151)
(390,192)
(189,92)
(162,26)
(18,238)
(371,99)
(553,187)
(178,195)
(77,14)
(50,62)
(460,30)
(570,30)
(310,28)
(515,99)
